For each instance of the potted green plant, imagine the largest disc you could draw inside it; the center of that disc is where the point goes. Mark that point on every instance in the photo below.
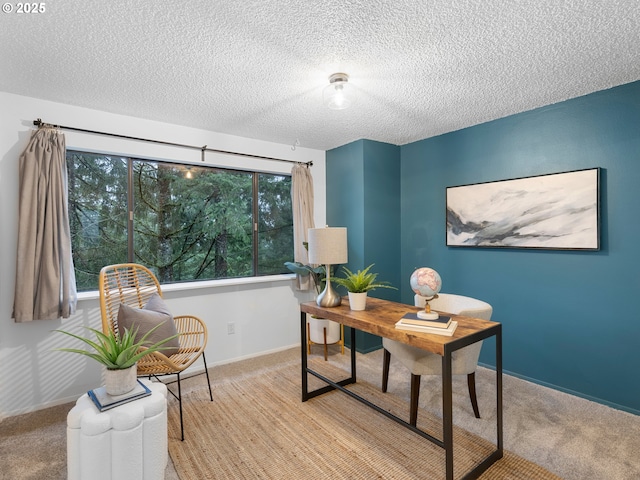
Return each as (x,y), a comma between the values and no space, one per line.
(119,353)
(358,284)
(317,274)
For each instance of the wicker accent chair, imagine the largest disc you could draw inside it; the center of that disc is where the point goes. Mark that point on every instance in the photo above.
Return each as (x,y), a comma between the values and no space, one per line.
(133,285)
(420,362)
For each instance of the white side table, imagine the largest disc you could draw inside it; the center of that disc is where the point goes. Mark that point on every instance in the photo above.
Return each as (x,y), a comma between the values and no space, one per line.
(128,442)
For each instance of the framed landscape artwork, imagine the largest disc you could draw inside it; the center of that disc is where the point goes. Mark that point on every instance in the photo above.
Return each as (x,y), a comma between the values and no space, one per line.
(559,211)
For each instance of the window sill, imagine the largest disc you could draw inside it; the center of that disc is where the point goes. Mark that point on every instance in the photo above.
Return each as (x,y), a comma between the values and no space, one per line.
(227,282)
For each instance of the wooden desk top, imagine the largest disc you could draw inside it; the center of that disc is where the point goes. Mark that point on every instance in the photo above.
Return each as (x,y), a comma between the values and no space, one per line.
(380,318)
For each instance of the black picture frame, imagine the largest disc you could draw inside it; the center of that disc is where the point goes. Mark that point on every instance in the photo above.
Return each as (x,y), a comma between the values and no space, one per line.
(556,211)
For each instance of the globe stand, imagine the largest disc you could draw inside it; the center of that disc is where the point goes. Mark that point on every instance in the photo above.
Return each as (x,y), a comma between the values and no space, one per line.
(427,314)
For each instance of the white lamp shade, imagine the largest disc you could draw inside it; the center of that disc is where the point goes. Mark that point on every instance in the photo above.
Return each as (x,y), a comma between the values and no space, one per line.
(328,246)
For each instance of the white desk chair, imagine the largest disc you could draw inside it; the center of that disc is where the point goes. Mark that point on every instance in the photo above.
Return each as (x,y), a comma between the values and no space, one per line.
(420,362)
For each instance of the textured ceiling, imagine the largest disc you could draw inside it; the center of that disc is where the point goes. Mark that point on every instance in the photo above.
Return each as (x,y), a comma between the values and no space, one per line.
(256,68)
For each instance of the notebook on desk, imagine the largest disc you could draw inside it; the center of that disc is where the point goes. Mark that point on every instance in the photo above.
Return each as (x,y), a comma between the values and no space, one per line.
(402,325)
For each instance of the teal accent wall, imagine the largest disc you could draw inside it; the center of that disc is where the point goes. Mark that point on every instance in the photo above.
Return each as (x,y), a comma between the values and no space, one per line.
(570,318)
(363,192)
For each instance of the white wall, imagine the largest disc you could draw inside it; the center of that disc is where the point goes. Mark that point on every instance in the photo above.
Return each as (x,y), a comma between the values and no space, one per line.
(265,313)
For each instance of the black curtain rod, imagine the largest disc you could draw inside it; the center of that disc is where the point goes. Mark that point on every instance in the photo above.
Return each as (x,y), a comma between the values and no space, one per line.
(40,123)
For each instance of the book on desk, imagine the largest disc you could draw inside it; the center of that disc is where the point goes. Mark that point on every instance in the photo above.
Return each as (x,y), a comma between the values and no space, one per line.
(103,401)
(448,331)
(411,318)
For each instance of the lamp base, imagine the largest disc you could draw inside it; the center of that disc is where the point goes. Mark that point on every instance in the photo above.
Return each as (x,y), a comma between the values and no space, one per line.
(329,297)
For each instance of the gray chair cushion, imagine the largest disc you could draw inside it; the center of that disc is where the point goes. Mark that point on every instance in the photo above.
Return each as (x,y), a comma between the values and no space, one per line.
(154,312)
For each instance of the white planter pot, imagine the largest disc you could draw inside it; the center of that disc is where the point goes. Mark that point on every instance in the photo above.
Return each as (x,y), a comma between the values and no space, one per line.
(357,301)
(317,327)
(119,382)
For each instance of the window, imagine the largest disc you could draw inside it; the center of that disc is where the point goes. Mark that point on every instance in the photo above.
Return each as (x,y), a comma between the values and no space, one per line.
(187,222)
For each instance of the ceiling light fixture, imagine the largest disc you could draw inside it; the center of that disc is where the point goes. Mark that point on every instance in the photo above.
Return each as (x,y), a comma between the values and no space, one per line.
(338,94)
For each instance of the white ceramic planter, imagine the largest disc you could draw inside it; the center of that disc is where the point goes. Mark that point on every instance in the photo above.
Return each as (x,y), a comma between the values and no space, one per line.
(357,301)
(316,330)
(119,382)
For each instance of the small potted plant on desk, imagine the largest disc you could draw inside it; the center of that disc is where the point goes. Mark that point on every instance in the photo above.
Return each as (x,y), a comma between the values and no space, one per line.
(358,284)
(119,354)
(319,330)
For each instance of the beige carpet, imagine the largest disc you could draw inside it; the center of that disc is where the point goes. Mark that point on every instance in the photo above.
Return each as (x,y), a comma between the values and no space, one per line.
(572,437)
(257,428)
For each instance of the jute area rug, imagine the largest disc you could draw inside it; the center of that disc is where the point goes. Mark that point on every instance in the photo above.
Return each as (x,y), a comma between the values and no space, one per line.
(258,428)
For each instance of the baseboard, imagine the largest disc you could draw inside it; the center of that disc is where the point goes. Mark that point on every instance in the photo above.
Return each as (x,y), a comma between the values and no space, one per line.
(199,368)
(564,390)
(41,406)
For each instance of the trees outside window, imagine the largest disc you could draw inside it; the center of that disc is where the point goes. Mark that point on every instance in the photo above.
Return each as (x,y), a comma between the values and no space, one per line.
(184,222)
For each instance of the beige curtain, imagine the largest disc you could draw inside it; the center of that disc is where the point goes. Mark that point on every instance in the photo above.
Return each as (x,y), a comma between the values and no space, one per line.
(45,279)
(302,204)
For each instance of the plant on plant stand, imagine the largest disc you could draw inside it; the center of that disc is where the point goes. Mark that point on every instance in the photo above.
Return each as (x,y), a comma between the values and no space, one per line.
(119,354)
(317,274)
(358,284)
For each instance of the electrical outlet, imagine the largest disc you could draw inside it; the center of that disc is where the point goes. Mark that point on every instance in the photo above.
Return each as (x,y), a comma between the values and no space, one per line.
(231,328)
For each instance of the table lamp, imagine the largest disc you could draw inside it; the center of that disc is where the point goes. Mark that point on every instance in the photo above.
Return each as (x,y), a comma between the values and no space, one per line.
(328,246)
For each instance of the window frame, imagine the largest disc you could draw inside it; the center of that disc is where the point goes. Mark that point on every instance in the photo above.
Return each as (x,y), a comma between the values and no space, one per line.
(255,277)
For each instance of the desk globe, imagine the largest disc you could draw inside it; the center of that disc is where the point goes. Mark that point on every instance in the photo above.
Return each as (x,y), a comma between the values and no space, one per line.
(426,282)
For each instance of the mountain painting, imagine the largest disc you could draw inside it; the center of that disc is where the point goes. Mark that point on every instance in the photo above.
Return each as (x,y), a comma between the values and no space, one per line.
(558,211)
